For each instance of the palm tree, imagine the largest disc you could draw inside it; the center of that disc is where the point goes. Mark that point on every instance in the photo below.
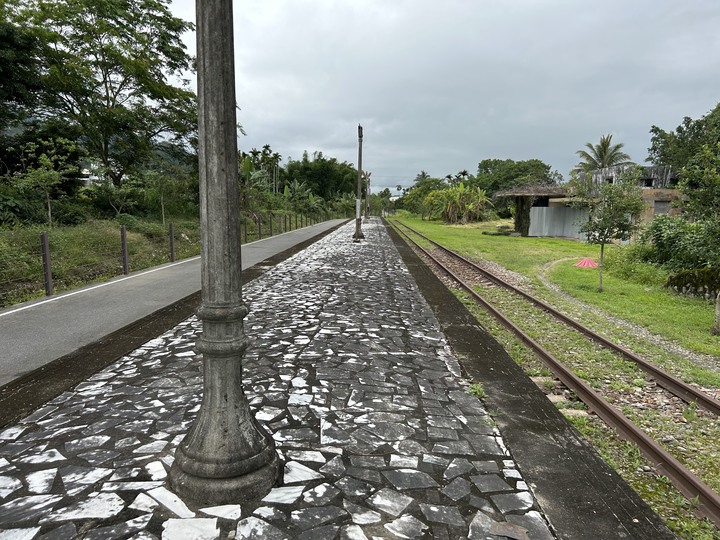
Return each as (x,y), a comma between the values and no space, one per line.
(602,155)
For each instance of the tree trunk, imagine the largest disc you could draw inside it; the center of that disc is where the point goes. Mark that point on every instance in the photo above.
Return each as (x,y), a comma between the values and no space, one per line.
(600,266)
(49,209)
(162,207)
(522,215)
(716,326)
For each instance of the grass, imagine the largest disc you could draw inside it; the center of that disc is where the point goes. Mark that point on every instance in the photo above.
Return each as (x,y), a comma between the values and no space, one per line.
(523,255)
(687,321)
(85,254)
(477,390)
(625,458)
(694,443)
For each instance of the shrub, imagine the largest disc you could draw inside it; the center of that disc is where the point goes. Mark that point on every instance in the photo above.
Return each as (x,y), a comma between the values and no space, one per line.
(150,229)
(71,212)
(680,245)
(632,262)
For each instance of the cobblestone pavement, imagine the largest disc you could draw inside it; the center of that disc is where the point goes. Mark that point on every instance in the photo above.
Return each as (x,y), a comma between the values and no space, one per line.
(349,371)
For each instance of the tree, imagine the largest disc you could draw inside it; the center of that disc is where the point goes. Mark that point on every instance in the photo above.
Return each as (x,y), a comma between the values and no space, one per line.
(19,71)
(602,155)
(424,184)
(46,163)
(325,177)
(496,175)
(381,200)
(676,148)
(168,181)
(613,209)
(434,203)
(501,174)
(701,186)
(107,67)
(297,194)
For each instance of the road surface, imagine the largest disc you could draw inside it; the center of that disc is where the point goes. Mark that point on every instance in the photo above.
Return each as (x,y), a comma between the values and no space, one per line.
(35,333)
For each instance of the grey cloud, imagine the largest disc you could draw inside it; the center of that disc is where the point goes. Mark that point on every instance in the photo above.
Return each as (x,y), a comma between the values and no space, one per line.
(440,86)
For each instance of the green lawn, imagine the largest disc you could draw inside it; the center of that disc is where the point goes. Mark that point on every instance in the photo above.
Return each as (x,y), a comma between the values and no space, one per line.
(523,255)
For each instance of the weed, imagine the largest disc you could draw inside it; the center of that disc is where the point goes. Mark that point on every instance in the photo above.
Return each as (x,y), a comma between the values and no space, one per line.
(477,390)
(690,413)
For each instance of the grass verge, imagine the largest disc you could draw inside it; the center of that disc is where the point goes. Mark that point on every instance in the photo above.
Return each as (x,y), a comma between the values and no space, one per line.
(86,254)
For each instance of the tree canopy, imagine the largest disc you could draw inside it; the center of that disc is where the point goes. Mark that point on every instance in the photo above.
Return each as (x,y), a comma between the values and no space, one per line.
(414,199)
(112,69)
(602,155)
(678,147)
(323,176)
(19,71)
(501,174)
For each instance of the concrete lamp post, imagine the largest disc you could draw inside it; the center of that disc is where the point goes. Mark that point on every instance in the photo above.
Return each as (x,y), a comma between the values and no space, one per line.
(226,456)
(358,201)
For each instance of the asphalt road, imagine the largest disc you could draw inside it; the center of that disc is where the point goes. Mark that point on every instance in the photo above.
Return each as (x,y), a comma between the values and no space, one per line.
(36,333)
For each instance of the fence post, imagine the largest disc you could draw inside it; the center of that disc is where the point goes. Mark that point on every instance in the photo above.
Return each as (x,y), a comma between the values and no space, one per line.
(259,224)
(280,224)
(172,243)
(245,229)
(270,219)
(47,266)
(123,248)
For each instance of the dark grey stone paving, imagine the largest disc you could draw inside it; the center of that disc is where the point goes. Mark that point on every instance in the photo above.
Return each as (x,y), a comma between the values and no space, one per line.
(348,370)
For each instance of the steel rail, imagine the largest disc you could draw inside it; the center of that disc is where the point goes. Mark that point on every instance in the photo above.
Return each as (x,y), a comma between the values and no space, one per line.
(669,382)
(708,502)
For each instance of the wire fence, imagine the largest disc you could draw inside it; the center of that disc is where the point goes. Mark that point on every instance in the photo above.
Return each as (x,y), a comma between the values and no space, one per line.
(36,263)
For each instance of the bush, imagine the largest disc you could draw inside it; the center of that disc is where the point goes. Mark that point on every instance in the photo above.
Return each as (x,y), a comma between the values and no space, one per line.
(71,212)
(17,208)
(632,263)
(149,229)
(680,245)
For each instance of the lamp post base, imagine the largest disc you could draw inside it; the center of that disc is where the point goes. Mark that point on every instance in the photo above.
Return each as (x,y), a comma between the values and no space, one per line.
(358,231)
(253,485)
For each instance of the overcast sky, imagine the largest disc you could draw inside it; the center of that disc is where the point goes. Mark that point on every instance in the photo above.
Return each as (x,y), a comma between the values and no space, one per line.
(440,85)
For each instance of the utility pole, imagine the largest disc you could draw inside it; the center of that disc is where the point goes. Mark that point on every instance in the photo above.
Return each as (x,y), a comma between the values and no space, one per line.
(226,457)
(358,201)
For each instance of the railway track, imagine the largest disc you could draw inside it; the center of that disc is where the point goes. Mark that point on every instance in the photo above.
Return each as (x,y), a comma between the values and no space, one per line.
(708,502)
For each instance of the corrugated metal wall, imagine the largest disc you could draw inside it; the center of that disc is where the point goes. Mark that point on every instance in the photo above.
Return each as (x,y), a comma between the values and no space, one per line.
(557,221)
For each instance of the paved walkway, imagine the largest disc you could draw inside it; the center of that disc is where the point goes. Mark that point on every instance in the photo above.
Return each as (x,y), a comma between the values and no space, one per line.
(349,371)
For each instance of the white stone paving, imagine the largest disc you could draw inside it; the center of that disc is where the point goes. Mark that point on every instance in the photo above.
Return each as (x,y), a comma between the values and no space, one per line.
(348,369)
